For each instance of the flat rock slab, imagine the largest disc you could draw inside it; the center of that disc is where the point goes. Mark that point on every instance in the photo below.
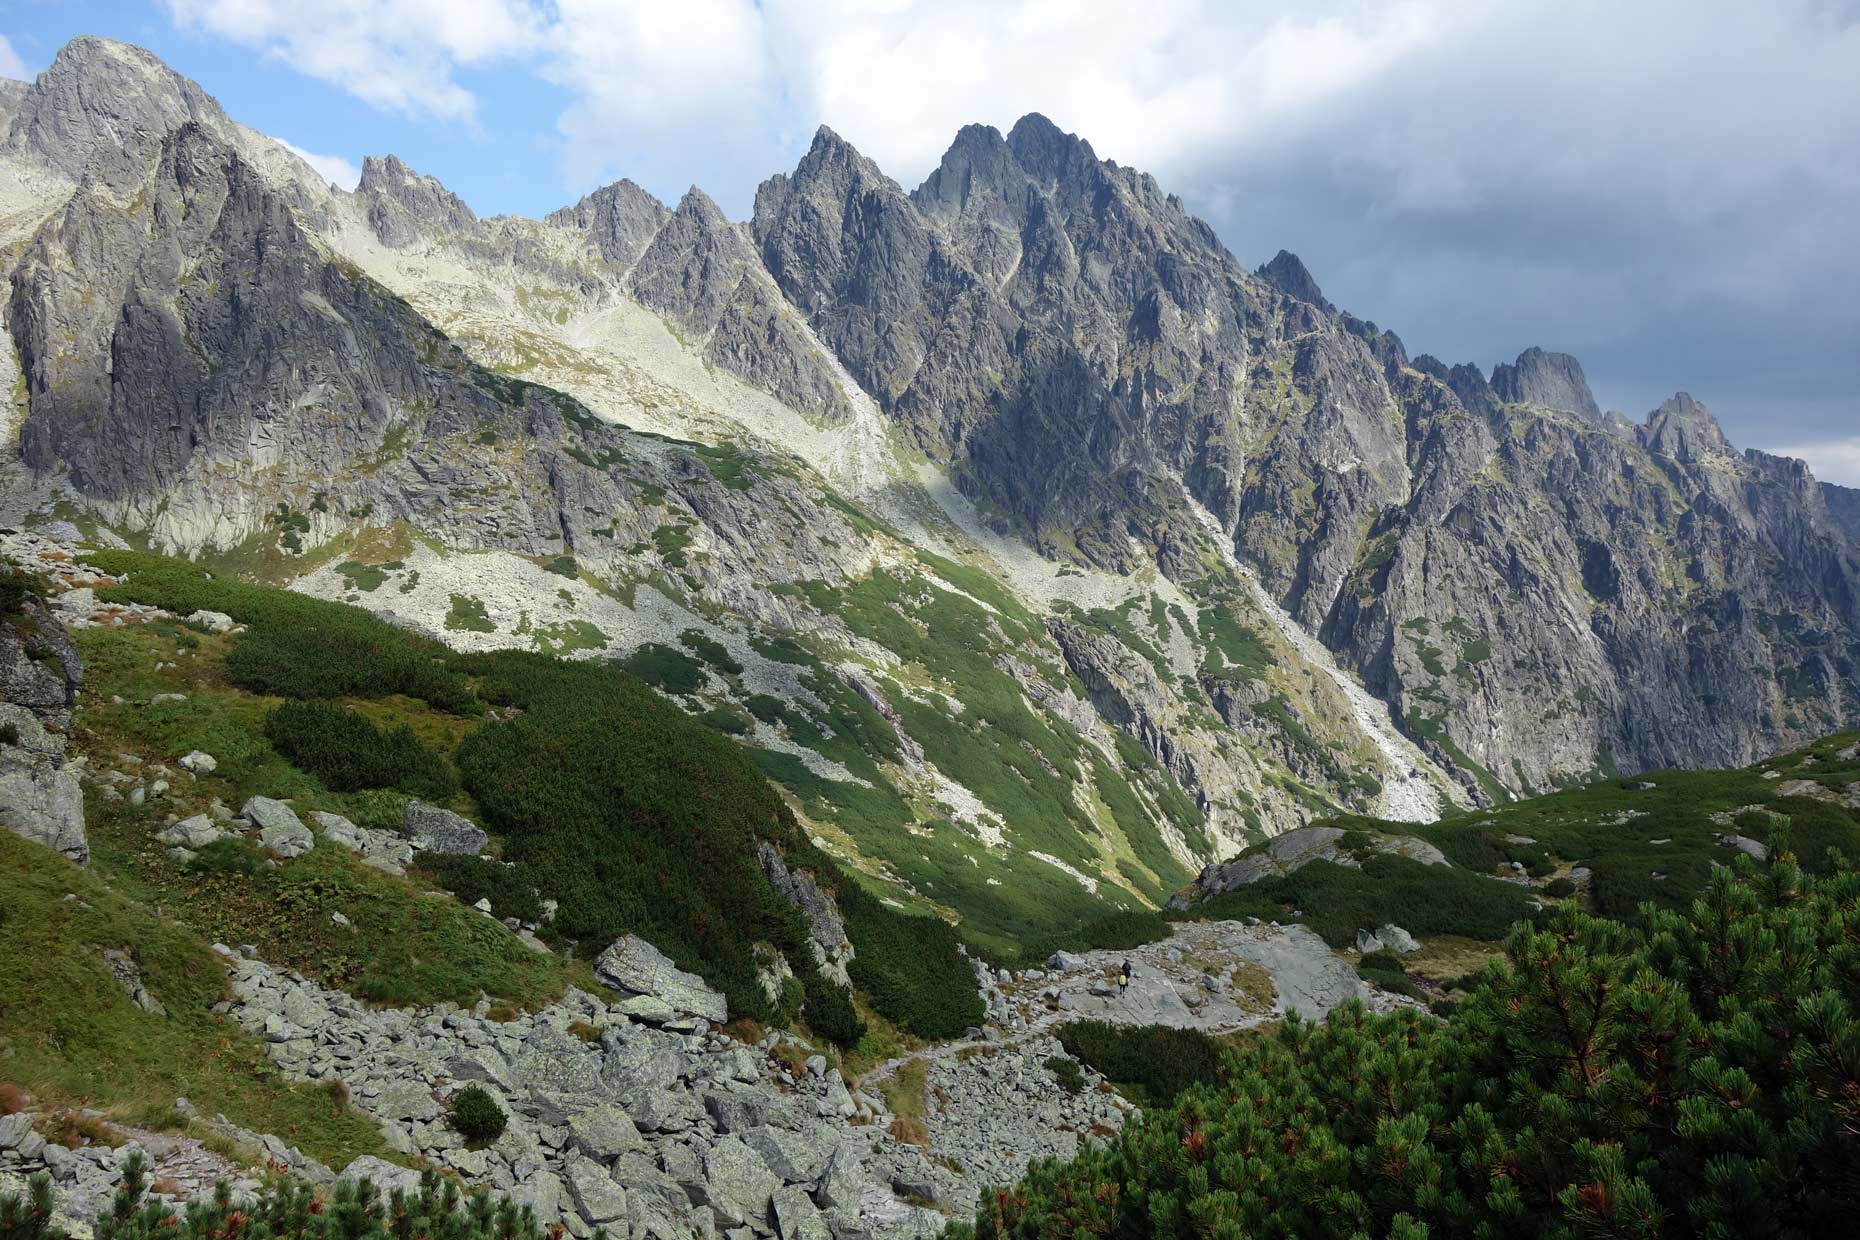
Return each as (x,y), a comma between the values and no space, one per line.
(440,830)
(279,828)
(1201,978)
(633,966)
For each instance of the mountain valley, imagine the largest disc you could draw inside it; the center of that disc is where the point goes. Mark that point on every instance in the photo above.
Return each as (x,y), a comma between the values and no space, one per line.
(737,692)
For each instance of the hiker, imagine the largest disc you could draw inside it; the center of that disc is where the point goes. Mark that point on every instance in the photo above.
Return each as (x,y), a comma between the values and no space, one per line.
(1123,981)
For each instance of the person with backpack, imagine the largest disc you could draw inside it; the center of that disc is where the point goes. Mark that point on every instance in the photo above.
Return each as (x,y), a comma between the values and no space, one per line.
(1123,981)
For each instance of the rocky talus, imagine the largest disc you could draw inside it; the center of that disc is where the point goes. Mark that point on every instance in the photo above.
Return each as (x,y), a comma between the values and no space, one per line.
(655,1124)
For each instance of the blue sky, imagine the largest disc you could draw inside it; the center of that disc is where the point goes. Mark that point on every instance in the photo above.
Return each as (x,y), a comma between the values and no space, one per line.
(1669,189)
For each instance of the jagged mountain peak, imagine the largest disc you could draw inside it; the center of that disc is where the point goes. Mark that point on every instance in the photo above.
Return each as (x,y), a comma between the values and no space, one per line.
(1551,380)
(620,216)
(697,205)
(1685,430)
(1045,150)
(98,92)
(403,202)
(1288,273)
(977,163)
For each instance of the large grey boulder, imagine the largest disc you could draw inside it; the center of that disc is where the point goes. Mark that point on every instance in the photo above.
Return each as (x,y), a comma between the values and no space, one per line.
(597,1196)
(604,1132)
(737,1185)
(196,832)
(842,1181)
(439,830)
(279,828)
(797,1156)
(796,1216)
(42,802)
(13,1129)
(1395,939)
(40,671)
(384,1175)
(633,966)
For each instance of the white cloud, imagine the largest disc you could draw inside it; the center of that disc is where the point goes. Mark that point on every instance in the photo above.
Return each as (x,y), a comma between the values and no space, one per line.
(1832,460)
(400,55)
(662,85)
(11,66)
(332,168)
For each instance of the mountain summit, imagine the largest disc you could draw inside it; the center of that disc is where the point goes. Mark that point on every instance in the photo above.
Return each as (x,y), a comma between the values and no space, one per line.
(1039,550)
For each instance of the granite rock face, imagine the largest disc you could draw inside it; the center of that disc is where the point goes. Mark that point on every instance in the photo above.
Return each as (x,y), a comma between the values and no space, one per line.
(40,671)
(1541,591)
(1843,507)
(1537,590)
(1552,380)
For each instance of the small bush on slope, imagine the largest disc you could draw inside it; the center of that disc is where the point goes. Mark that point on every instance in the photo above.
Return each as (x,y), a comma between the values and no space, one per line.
(1154,1062)
(348,753)
(1337,900)
(476,1115)
(1690,1074)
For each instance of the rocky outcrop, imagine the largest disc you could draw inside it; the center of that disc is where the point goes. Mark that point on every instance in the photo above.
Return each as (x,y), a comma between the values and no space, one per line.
(701,272)
(620,219)
(637,969)
(1843,507)
(99,96)
(1550,380)
(826,929)
(1288,274)
(40,672)
(402,204)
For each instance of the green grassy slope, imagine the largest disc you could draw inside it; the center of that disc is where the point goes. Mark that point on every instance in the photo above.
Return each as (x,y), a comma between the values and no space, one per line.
(606,797)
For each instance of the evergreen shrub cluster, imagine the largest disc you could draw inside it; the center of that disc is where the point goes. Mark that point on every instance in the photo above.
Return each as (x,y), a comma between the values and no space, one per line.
(1155,1062)
(476,1116)
(286,1210)
(911,967)
(348,753)
(1690,1073)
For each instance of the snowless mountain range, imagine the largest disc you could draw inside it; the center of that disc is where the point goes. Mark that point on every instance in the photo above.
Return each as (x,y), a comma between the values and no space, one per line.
(1040,550)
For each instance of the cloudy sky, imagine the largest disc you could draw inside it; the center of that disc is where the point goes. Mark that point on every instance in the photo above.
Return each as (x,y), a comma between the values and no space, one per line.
(1669,189)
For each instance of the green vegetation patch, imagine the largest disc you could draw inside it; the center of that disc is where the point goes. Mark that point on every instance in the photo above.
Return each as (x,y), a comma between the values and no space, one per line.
(468,615)
(298,646)
(70,1035)
(1683,1074)
(1154,1064)
(1338,900)
(347,752)
(665,668)
(367,578)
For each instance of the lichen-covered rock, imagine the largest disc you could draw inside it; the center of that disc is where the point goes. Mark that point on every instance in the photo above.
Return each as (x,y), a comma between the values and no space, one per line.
(279,827)
(635,967)
(436,829)
(40,672)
